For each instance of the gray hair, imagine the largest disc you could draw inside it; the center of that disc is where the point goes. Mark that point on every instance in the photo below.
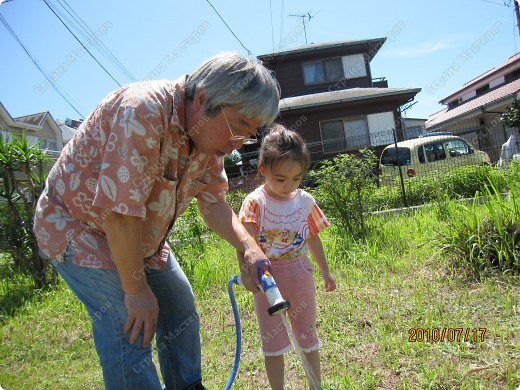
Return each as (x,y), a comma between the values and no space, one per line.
(231,80)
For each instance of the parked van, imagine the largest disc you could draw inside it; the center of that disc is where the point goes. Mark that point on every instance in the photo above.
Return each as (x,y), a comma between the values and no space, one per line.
(420,156)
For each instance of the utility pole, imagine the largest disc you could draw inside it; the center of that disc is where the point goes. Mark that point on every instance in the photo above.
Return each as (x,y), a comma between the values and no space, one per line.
(517,12)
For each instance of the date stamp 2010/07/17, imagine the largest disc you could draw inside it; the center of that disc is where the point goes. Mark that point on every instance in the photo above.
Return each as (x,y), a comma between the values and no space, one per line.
(446,334)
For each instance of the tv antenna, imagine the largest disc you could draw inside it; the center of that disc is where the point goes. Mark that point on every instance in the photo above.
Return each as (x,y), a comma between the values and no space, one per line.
(309,17)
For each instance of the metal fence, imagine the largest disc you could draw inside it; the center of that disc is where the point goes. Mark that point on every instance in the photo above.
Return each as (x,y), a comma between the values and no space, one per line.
(489,136)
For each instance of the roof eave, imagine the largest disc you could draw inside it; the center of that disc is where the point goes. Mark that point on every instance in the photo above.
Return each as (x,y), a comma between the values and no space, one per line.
(413,91)
(377,43)
(482,109)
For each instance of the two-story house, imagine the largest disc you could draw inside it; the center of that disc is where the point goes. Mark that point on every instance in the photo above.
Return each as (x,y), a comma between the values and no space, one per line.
(331,98)
(474,110)
(41,129)
(38,128)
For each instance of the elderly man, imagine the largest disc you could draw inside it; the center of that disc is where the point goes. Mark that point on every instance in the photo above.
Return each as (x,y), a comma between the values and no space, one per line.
(134,166)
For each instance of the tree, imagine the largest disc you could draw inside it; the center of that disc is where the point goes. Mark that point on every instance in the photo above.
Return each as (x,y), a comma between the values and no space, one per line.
(23,172)
(511,116)
(231,163)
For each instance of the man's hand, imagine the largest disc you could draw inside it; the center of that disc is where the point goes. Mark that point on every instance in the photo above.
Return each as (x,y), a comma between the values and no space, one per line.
(124,234)
(249,269)
(143,312)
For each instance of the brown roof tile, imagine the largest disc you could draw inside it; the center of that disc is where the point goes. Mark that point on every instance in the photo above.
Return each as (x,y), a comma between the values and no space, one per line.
(477,103)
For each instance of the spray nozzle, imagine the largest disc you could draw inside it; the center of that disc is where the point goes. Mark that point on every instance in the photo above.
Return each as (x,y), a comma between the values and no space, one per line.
(267,284)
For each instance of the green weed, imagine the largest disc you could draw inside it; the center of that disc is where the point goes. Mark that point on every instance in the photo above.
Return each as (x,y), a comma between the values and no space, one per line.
(395,286)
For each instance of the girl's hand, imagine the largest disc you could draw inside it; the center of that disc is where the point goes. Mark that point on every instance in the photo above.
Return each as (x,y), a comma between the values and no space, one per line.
(329,282)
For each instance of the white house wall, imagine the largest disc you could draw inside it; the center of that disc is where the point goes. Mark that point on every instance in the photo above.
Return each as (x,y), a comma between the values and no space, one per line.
(380,127)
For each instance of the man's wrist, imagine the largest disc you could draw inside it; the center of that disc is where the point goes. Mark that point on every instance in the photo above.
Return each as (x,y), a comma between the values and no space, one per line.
(135,290)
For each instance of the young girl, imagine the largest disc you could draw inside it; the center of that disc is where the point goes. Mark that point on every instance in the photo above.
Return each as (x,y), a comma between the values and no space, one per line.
(285,222)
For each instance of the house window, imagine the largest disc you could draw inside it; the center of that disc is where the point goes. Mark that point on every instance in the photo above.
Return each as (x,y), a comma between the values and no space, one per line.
(52,144)
(354,66)
(349,133)
(412,132)
(321,71)
(43,143)
(483,89)
(33,140)
(333,136)
(356,131)
(6,135)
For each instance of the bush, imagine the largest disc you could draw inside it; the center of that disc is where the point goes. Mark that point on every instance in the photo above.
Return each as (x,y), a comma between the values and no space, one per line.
(23,178)
(459,183)
(189,229)
(231,164)
(343,185)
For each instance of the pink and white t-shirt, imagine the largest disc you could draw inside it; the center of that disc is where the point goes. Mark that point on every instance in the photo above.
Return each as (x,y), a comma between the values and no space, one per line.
(283,226)
(132,155)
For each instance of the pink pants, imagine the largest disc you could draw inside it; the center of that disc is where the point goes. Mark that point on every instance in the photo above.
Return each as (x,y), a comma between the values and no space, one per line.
(295,282)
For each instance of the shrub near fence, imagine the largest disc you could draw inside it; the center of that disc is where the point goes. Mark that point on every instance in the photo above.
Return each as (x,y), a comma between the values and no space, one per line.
(488,135)
(459,183)
(342,186)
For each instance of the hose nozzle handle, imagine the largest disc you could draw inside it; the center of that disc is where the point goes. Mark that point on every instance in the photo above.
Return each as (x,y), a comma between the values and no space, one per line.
(267,284)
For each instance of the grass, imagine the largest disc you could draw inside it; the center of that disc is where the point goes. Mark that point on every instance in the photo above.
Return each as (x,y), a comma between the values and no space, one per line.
(394,281)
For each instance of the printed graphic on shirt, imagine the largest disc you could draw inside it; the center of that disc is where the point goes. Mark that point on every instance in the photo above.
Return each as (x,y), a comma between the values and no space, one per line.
(282,227)
(284,240)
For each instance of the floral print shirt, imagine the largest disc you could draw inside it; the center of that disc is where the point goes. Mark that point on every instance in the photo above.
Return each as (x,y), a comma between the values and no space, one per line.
(132,155)
(283,226)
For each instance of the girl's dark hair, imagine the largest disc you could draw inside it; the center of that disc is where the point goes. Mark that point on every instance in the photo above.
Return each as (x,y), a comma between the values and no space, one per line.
(282,144)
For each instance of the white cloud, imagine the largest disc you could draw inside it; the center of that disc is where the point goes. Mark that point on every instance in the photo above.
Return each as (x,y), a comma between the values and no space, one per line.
(418,50)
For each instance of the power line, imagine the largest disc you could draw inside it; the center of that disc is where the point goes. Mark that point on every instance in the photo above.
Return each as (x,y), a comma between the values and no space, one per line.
(494,2)
(271,13)
(229,28)
(40,68)
(282,11)
(91,37)
(81,43)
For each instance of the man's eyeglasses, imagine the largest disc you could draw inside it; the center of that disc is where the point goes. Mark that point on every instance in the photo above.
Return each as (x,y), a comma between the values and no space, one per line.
(239,138)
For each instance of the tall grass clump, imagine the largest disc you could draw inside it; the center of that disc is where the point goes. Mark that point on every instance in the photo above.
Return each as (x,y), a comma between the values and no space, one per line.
(235,199)
(482,238)
(187,237)
(190,228)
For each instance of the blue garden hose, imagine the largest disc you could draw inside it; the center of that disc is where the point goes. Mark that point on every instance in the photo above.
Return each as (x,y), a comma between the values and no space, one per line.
(276,305)
(238,348)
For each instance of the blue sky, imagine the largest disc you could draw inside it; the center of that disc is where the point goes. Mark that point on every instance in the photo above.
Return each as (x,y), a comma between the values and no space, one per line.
(436,46)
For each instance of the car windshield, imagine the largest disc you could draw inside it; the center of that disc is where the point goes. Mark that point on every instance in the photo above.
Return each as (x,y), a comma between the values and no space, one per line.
(391,156)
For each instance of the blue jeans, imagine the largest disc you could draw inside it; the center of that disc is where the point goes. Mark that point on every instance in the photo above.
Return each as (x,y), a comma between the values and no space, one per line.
(129,366)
